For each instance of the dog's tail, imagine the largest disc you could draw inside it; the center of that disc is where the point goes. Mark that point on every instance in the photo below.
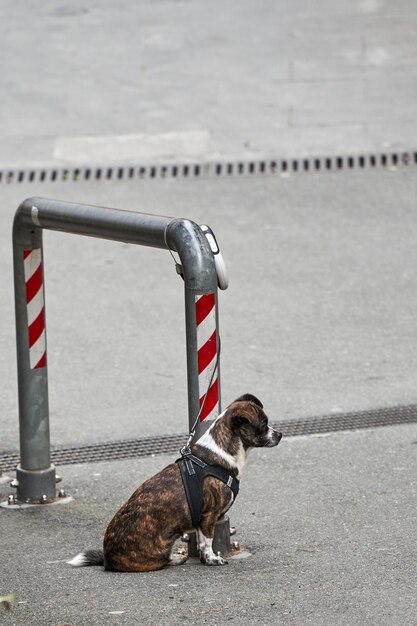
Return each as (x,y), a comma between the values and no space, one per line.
(88,557)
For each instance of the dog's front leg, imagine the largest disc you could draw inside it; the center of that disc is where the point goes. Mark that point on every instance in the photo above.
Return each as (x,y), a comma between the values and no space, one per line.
(205,547)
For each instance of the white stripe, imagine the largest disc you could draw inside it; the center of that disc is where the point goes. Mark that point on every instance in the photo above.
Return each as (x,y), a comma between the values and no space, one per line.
(37,351)
(32,262)
(206,328)
(205,376)
(35,306)
(213,414)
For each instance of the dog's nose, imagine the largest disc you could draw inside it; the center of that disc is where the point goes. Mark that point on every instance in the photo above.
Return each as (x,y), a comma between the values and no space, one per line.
(274,437)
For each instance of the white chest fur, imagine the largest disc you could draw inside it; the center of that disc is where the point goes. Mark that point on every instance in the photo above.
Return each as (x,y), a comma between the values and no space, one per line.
(236,461)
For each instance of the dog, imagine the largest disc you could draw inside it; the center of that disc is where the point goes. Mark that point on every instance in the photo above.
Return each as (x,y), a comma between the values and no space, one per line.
(141,535)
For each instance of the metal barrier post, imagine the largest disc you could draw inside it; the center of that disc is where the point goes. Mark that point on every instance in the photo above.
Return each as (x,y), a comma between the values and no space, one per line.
(203,355)
(35,474)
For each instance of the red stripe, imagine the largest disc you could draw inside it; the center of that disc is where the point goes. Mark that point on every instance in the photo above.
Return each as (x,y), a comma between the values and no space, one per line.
(203,306)
(26,253)
(36,328)
(34,284)
(207,353)
(41,362)
(211,401)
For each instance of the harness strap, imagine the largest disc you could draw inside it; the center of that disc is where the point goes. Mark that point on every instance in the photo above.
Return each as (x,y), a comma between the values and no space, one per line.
(193,472)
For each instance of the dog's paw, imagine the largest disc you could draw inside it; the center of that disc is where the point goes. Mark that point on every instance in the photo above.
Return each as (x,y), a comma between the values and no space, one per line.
(179,554)
(213,560)
(178,559)
(218,560)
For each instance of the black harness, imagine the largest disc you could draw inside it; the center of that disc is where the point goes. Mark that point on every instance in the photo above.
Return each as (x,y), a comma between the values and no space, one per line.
(193,472)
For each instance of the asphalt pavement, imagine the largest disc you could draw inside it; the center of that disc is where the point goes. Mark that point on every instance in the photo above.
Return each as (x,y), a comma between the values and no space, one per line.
(329,522)
(319,317)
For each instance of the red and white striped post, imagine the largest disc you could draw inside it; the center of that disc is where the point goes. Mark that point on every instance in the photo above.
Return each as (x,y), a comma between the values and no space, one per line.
(35,305)
(203,348)
(202,312)
(207,356)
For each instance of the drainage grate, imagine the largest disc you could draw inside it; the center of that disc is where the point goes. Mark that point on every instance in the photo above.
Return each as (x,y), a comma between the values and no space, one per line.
(111,451)
(373,418)
(207,169)
(166,444)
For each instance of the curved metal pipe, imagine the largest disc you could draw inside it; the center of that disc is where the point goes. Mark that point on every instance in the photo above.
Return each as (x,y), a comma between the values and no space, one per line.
(181,235)
(36,475)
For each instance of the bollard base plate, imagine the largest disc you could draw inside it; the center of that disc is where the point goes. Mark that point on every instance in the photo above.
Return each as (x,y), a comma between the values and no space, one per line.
(34,485)
(17,505)
(234,555)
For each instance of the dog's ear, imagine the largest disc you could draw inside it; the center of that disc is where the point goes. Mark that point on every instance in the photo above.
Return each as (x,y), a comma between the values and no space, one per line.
(248,397)
(239,420)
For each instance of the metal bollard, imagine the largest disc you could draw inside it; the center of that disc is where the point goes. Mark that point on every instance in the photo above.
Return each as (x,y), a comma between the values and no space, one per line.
(36,475)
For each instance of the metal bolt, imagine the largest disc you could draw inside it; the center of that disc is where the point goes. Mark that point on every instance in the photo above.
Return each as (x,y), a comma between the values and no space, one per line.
(43,499)
(185,538)
(58,478)
(14,483)
(11,499)
(62,493)
(232,530)
(236,545)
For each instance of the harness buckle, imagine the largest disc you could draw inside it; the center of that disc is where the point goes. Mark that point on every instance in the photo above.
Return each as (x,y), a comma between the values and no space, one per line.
(185,451)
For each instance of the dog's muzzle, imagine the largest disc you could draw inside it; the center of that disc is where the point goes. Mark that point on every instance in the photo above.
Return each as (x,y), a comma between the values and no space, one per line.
(273,438)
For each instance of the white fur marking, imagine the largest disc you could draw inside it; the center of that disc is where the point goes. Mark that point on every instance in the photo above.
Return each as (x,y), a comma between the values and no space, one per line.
(205,546)
(271,432)
(78,561)
(238,461)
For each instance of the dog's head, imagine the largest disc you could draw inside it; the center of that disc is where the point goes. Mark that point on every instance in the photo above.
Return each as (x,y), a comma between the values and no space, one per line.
(246,418)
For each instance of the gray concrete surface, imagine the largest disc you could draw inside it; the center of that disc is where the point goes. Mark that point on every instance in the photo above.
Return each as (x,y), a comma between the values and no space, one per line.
(319,316)
(330,522)
(160,80)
